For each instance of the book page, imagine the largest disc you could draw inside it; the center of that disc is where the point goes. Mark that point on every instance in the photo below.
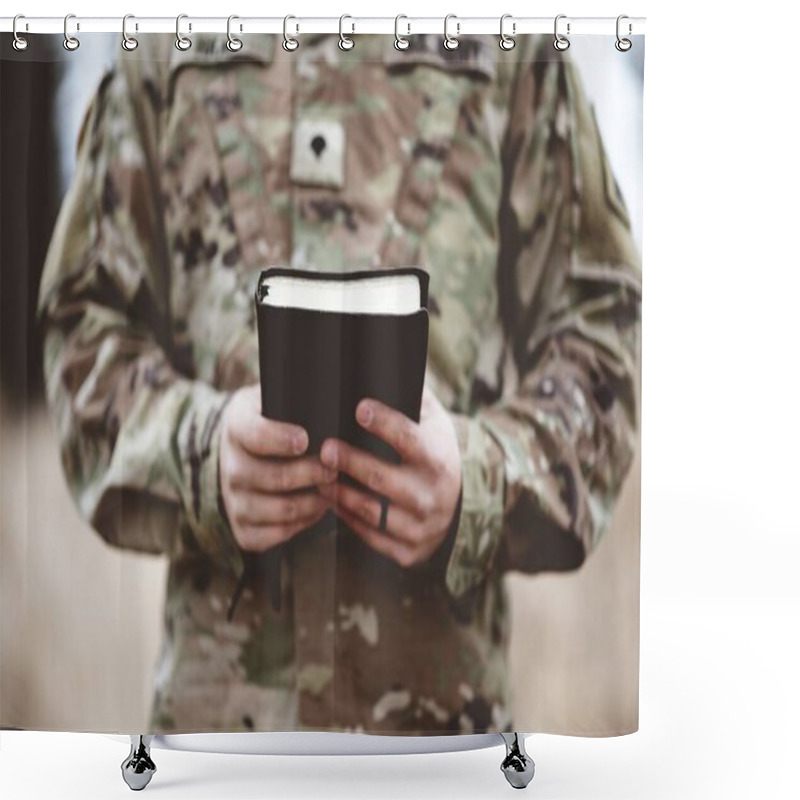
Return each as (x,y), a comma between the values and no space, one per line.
(378,294)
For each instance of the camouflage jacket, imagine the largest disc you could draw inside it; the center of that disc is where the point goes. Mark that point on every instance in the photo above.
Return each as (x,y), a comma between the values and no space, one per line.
(483,166)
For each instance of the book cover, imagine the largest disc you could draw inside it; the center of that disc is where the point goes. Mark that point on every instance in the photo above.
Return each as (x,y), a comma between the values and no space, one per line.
(327,340)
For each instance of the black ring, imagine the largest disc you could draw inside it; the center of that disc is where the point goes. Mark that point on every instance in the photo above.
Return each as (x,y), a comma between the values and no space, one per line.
(384,514)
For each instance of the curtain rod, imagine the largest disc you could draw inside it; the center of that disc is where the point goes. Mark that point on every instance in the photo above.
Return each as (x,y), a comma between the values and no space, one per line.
(351,25)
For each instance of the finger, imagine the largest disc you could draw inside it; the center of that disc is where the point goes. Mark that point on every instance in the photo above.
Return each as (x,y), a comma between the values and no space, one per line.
(428,399)
(256,508)
(262,537)
(391,480)
(273,477)
(268,437)
(399,523)
(388,546)
(252,396)
(394,427)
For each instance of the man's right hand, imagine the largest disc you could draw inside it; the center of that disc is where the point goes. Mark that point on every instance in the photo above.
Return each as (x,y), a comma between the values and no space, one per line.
(268,485)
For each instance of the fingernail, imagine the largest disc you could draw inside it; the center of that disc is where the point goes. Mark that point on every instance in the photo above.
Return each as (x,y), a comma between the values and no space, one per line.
(299,443)
(364,413)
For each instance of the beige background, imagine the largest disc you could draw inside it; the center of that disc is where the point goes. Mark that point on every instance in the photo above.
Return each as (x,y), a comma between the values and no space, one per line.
(80,622)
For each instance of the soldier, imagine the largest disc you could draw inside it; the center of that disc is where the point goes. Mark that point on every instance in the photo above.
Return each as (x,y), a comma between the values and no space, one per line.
(196,170)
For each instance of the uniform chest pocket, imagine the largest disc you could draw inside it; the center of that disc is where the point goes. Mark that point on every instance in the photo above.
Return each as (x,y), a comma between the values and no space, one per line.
(430,91)
(214,208)
(447,205)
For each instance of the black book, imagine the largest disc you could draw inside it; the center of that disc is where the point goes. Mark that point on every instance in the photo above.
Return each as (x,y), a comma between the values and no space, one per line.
(327,340)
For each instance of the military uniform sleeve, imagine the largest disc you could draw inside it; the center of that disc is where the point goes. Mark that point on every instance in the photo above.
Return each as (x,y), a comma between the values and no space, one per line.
(542,466)
(139,438)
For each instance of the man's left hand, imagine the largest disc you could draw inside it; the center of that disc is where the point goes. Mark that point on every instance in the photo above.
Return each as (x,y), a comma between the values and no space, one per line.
(422,490)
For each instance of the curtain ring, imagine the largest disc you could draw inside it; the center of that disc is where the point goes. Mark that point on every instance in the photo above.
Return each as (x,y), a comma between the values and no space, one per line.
(182,42)
(289,42)
(451,42)
(506,41)
(129,42)
(345,42)
(401,42)
(19,42)
(70,42)
(233,44)
(560,42)
(623,45)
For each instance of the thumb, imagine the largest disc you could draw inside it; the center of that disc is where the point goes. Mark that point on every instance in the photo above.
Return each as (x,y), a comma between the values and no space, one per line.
(252,395)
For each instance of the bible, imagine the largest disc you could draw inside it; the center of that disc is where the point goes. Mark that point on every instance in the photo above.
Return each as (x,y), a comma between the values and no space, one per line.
(325,341)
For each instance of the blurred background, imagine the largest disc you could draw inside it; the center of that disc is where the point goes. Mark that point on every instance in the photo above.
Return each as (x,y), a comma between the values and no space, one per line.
(80,621)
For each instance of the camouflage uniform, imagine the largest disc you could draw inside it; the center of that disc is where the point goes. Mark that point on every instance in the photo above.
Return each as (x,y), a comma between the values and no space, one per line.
(483,166)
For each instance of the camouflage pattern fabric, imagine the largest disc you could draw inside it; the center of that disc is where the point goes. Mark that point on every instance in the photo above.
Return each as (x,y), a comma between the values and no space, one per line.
(483,166)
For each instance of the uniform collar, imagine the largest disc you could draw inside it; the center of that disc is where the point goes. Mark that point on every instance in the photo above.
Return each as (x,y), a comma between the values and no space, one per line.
(475,54)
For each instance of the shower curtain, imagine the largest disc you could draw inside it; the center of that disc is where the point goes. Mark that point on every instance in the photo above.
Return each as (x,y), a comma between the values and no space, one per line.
(206,252)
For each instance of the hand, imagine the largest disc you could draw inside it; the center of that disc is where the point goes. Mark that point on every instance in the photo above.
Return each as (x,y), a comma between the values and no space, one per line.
(268,486)
(423,489)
